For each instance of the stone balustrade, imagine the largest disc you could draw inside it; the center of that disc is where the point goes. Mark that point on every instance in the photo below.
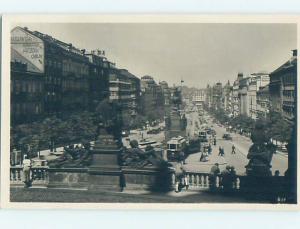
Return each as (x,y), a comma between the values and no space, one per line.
(16,175)
(38,175)
(201,181)
(274,187)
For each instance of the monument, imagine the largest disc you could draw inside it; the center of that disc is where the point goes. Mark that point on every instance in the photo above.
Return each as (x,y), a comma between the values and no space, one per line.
(260,153)
(145,170)
(105,172)
(108,166)
(258,183)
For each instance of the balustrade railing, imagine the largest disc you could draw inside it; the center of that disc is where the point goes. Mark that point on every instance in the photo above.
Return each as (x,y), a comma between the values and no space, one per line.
(16,174)
(38,175)
(201,180)
(274,186)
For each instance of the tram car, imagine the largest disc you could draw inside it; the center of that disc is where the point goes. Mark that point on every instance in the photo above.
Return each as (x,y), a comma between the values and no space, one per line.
(176,148)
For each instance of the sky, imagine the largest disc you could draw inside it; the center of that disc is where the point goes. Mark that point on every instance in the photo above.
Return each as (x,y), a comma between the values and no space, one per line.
(199,54)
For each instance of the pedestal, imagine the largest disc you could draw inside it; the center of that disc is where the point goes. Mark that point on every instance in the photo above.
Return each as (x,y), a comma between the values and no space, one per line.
(105,173)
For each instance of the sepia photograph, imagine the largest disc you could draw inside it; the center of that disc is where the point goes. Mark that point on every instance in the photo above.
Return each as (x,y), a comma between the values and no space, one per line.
(151,111)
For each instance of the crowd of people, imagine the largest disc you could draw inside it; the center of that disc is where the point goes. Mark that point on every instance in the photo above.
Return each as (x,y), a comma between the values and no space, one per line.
(224,180)
(227,178)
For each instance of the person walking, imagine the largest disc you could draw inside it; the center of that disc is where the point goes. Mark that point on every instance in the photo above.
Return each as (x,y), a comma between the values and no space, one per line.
(220,151)
(209,149)
(233,149)
(223,152)
(182,157)
(215,141)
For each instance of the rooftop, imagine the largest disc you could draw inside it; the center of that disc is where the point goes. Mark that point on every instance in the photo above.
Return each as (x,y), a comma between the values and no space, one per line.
(292,62)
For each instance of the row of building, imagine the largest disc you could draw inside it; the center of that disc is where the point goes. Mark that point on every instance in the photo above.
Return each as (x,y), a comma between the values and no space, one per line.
(257,94)
(49,77)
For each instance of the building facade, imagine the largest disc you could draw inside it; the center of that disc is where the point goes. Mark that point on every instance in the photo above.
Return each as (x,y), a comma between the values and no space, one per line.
(199,98)
(262,102)
(98,78)
(227,99)
(208,96)
(217,93)
(27,94)
(235,99)
(124,88)
(64,68)
(152,97)
(283,88)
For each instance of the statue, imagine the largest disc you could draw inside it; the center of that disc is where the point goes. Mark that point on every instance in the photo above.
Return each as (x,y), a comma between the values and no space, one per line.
(73,157)
(260,153)
(137,158)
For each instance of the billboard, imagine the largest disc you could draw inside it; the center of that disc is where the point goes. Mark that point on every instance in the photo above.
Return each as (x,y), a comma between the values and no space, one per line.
(28,49)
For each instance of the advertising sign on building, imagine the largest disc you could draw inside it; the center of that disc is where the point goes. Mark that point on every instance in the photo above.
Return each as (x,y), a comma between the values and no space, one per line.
(28,49)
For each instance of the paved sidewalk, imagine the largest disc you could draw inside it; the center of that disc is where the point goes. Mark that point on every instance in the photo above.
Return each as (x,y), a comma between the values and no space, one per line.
(77,196)
(194,164)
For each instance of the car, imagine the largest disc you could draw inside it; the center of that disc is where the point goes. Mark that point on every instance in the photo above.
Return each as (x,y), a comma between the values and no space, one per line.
(227,136)
(154,131)
(125,133)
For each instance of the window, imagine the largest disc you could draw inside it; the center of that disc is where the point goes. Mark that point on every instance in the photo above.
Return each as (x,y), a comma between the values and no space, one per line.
(23,86)
(18,85)
(37,108)
(30,85)
(34,87)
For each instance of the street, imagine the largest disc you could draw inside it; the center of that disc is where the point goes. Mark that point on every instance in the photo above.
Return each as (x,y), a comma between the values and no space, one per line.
(193,164)
(238,160)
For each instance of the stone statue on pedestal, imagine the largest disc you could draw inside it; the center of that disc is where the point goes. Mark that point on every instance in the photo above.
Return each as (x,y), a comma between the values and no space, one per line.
(73,157)
(137,158)
(260,153)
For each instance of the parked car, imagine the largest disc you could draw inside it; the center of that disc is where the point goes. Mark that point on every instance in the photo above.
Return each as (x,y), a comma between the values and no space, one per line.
(125,133)
(227,136)
(154,131)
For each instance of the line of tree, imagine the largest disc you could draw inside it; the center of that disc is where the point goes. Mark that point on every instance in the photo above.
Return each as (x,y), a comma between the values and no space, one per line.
(55,131)
(277,127)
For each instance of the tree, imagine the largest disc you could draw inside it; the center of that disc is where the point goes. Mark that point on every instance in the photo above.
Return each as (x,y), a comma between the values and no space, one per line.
(279,128)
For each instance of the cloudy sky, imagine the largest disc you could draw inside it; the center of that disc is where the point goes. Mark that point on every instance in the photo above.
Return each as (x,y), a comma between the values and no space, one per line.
(197,53)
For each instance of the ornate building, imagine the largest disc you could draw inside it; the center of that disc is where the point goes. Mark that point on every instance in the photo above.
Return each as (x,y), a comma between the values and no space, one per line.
(283,87)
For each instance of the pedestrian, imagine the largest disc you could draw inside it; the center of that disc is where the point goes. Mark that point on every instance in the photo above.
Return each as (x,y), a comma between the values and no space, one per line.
(226,179)
(233,149)
(204,157)
(209,149)
(182,157)
(26,172)
(233,177)
(214,172)
(220,151)
(180,177)
(215,141)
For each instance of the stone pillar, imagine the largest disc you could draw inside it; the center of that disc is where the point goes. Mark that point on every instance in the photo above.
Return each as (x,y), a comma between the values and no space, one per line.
(105,172)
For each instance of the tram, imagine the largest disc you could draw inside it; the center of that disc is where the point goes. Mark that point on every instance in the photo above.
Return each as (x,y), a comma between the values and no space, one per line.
(176,148)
